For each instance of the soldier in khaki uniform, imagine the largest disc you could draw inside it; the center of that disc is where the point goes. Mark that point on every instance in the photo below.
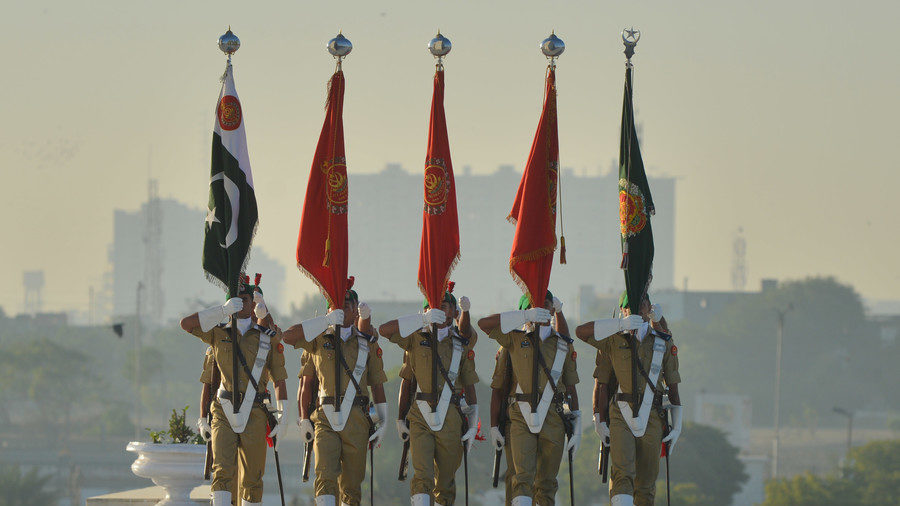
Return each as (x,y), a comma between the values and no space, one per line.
(537,437)
(632,417)
(443,420)
(346,366)
(241,435)
(501,382)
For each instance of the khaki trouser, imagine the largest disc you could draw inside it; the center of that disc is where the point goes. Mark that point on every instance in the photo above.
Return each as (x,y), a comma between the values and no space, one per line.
(634,461)
(341,456)
(536,457)
(248,446)
(435,455)
(510,471)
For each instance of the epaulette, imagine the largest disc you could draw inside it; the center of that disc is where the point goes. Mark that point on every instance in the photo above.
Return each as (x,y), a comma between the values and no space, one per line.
(565,338)
(222,325)
(269,332)
(459,337)
(660,334)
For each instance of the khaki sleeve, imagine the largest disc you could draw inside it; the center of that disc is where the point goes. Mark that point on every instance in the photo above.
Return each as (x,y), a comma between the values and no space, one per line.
(570,372)
(406,371)
(207,337)
(670,364)
(603,371)
(498,380)
(208,360)
(305,345)
(467,374)
(474,336)
(307,365)
(403,342)
(276,360)
(375,366)
(502,339)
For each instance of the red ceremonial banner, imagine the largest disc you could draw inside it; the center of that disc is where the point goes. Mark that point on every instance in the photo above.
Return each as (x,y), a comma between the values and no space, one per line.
(440,224)
(534,210)
(322,242)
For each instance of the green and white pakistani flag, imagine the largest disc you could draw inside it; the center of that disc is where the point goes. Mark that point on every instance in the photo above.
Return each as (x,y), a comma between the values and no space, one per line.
(231,218)
(635,206)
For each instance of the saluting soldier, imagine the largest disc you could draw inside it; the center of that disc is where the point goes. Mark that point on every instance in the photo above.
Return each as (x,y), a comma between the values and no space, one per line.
(443,420)
(242,434)
(544,378)
(340,427)
(637,380)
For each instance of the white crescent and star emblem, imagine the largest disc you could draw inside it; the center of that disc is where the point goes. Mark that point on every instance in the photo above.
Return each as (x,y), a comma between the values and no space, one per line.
(234,196)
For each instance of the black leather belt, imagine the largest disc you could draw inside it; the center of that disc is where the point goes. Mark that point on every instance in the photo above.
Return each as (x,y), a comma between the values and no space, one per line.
(527,397)
(227,395)
(360,400)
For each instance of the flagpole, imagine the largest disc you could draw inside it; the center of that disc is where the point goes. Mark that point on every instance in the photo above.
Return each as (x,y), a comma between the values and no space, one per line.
(229,43)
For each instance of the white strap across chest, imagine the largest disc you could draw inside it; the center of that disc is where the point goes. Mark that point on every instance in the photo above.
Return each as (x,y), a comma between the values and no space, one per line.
(238,421)
(435,419)
(535,419)
(338,419)
(638,424)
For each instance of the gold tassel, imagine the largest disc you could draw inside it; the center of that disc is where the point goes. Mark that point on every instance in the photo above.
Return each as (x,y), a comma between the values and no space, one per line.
(327,258)
(562,249)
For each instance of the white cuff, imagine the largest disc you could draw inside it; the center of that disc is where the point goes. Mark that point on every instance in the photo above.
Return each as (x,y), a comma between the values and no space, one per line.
(313,327)
(411,323)
(511,320)
(211,317)
(381,411)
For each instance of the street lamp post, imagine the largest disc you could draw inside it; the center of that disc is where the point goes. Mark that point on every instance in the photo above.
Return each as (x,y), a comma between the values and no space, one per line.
(849,415)
(137,362)
(777,396)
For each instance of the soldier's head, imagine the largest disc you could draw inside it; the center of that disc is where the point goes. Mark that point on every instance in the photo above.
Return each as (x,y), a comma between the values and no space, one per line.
(351,304)
(448,305)
(643,309)
(525,302)
(245,292)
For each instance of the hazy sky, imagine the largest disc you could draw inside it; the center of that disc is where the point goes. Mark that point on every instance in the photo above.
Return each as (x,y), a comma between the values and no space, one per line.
(776,116)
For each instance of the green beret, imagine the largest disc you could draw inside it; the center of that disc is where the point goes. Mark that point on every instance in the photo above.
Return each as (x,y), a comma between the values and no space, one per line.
(623,299)
(448,297)
(525,300)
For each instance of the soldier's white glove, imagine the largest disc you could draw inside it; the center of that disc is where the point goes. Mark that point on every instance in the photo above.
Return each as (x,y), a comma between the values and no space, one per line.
(315,326)
(204,429)
(261,311)
(411,323)
(471,413)
(307,431)
(672,437)
(278,429)
(511,320)
(557,305)
(655,313)
(497,440)
(403,430)
(464,304)
(609,326)
(215,315)
(602,430)
(382,413)
(575,439)
(365,312)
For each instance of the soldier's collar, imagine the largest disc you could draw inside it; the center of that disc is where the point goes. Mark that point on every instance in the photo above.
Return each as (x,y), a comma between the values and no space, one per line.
(243,325)
(545,331)
(642,331)
(346,332)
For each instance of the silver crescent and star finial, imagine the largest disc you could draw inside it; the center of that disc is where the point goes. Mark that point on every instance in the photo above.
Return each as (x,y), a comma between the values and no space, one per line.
(630,38)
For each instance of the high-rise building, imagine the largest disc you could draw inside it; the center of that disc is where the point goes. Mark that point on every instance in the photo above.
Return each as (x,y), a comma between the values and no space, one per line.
(386,222)
(179,229)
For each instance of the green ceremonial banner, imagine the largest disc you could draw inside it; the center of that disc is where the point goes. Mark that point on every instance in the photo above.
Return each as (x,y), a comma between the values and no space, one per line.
(635,207)
(231,217)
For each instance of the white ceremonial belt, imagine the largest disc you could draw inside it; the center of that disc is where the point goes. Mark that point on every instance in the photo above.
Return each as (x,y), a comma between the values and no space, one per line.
(638,424)
(338,418)
(535,419)
(435,419)
(238,421)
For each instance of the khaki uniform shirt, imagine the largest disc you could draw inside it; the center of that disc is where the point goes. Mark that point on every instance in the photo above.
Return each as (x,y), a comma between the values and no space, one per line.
(501,371)
(219,338)
(521,356)
(418,359)
(614,360)
(321,361)
(209,361)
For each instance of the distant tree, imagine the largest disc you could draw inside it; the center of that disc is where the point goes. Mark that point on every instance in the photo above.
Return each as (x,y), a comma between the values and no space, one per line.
(25,489)
(872,478)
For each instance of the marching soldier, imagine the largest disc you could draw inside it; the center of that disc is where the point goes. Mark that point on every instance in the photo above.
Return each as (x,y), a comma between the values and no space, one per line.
(501,382)
(242,434)
(340,427)
(443,420)
(543,379)
(637,352)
